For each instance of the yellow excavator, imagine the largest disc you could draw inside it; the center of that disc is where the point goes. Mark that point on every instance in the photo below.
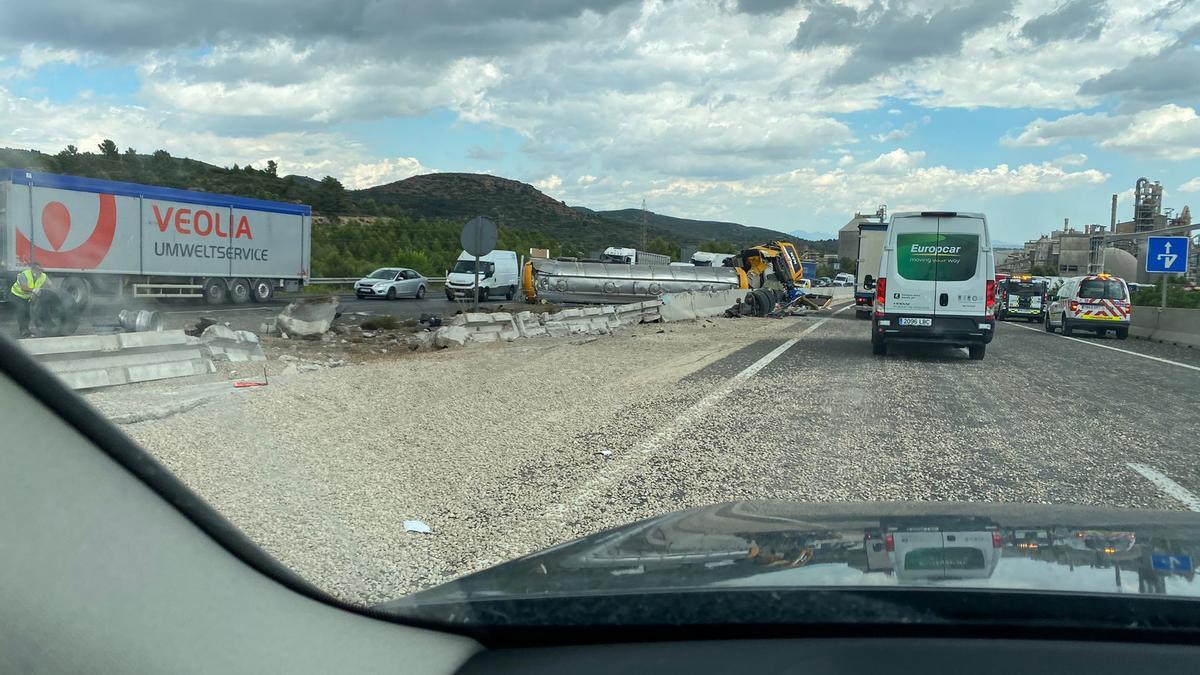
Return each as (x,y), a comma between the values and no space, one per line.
(782,260)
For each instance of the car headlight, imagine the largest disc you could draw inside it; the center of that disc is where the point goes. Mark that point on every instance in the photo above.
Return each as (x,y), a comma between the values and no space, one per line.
(380,287)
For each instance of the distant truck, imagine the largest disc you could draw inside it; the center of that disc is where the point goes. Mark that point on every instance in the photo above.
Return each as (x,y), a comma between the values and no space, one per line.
(709,259)
(871,238)
(124,239)
(632,256)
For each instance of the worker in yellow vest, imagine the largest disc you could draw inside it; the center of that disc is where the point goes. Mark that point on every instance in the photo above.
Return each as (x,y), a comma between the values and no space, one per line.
(27,286)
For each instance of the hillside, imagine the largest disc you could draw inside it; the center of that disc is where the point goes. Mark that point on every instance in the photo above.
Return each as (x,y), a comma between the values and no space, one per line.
(705,230)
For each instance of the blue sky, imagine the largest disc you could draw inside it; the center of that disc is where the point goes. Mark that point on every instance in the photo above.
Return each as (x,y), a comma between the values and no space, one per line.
(779,113)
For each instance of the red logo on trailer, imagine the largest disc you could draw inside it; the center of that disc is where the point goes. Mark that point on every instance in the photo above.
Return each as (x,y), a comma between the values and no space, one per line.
(56,223)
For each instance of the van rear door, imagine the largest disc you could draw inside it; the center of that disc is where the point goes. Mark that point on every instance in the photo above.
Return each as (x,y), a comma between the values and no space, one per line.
(911,276)
(961,266)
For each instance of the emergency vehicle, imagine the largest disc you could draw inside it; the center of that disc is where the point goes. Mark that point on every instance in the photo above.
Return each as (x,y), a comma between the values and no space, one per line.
(1020,297)
(1097,302)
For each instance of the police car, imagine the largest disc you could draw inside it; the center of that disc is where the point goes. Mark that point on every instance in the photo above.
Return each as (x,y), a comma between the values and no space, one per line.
(1096,302)
(1020,298)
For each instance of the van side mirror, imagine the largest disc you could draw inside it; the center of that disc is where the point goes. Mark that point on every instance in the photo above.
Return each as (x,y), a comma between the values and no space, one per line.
(868,282)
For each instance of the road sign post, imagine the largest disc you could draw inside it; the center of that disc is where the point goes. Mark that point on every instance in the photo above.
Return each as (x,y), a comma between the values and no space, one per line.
(478,238)
(1166,256)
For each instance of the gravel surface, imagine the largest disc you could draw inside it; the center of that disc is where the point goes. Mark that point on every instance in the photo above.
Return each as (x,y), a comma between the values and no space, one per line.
(509,448)
(482,443)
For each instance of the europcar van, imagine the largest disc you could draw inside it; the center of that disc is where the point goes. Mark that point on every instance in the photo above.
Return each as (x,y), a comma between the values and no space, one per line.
(936,283)
(497,276)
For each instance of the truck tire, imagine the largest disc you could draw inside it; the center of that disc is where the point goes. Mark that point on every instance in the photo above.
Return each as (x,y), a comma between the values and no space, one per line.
(262,290)
(512,293)
(80,290)
(977,352)
(54,314)
(239,291)
(215,291)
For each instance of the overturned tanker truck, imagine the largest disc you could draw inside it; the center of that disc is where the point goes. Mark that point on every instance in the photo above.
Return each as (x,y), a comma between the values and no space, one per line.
(770,273)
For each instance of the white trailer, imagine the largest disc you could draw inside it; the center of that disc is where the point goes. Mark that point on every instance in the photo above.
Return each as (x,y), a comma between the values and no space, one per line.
(871,238)
(107,237)
(632,256)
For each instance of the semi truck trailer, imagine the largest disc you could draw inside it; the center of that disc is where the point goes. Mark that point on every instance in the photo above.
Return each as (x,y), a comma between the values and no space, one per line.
(99,237)
(632,256)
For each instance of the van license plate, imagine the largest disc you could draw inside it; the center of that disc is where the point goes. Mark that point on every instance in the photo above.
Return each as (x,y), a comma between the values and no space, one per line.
(913,321)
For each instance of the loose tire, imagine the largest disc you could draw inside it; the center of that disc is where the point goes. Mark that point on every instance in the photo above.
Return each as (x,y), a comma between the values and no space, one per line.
(80,290)
(239,291)
(420,292)
(977,352)
(215,291)
(262,290)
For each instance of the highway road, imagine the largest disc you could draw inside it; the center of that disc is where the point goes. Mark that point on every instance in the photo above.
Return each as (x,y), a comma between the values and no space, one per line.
(814,416)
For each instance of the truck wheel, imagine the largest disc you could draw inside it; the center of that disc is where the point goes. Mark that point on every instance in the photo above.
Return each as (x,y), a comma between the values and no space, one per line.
(1066,328)
(80,290)
(1122,333)
(420,292)
(215,291)
(484,294)
(977,352)
(449,296)
(512,293)
(262,290)
(239,291)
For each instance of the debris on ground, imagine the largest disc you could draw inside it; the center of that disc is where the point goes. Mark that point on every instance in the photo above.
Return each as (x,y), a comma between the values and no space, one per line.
(417,526)
(196,329)
(308,317)
(140,321)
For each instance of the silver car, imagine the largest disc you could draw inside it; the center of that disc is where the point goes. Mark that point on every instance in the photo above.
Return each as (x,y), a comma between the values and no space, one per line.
(391,283)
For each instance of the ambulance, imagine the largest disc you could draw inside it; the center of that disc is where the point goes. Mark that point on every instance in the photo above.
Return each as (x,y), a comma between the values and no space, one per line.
(1096,302)
(1020,297)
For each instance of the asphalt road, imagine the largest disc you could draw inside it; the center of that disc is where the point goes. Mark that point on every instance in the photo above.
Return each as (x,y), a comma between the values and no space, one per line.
(180,313)
(814,416)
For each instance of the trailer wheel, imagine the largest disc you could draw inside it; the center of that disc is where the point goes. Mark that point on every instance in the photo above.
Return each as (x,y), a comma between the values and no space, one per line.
(215,291)
(239,291)
(262,290)
(54,314)
(80,290)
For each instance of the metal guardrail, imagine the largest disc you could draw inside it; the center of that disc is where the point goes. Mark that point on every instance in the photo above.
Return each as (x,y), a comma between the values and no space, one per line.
(346,281)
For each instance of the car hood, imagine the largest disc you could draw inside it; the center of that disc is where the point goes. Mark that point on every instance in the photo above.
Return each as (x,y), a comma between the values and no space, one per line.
(768,544)
(367,281)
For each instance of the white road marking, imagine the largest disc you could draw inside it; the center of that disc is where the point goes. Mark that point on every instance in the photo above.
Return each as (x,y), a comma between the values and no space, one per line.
(1168,486)
(590,490)
(1115,349)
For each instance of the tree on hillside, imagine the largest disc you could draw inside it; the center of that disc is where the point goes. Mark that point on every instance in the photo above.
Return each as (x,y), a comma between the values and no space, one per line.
(109,149)
(272,169)
(331,196)
(66,161)
(664,247)
(131,154)
(162,168)
(714,246)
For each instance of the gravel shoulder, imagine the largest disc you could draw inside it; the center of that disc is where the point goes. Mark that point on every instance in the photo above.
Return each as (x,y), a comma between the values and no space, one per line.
(483,444)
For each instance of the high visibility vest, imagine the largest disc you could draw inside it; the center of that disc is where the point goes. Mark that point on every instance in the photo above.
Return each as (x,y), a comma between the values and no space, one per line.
(34,283)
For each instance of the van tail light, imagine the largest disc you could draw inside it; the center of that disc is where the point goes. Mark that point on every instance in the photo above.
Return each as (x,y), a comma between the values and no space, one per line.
(1074,307)
(880,299)
(989,294)
(996,542)
(889,542)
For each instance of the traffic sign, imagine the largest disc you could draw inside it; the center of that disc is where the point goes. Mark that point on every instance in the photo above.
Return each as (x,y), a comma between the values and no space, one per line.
(1171,562)
(1166,255)
(478,236)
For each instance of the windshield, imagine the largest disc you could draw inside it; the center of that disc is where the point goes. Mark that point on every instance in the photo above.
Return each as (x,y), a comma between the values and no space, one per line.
(218,193)
(468,267)
(1102,289)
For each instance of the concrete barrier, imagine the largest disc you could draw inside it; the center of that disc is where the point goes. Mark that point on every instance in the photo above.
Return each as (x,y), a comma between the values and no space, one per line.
(590,320)
(1181,326)
(91,361)
(698,304)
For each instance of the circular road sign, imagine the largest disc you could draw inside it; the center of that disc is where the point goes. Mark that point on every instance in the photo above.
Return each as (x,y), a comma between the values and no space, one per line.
(478,236)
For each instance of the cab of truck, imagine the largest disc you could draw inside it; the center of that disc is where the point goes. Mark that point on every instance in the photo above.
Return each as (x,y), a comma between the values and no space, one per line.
(936,282)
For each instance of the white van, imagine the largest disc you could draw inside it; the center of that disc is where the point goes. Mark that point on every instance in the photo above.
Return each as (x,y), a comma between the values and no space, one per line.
(498,276)
(936,283)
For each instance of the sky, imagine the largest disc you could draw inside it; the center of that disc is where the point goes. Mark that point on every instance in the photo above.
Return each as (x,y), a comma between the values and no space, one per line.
(787,114)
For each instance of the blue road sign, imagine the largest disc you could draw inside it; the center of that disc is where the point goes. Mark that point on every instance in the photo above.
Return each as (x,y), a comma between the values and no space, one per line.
(1171,562)
(1166,255)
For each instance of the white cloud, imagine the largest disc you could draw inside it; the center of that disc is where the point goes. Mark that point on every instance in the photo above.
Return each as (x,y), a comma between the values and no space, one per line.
(1167,132)
(585,180)
(33,57)
(1074,159)
(551,183)
(888,137)
(369,174)
(1192,185)
(895,162)
(894,111)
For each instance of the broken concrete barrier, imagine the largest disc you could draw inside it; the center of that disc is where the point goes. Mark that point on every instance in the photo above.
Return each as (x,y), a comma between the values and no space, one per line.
(308,317)
(450,336)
